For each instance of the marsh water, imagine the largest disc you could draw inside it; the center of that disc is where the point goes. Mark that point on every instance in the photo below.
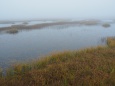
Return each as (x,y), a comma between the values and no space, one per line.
(30,44)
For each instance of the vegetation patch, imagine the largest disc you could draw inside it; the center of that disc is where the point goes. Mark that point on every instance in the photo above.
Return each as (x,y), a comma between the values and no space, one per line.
(39,26)
(88,67)
(12,31)
(111,41)
(106,25)
(88,22)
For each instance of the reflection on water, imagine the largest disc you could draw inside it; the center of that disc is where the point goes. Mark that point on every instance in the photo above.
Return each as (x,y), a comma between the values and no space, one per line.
(31,44)
(103,40)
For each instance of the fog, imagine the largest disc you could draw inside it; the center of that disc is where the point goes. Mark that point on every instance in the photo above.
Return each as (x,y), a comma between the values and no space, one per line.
(41,9)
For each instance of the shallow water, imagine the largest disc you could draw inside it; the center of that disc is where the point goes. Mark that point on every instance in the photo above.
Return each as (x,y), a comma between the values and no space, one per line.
(31,44)
(39,22)
(24,23)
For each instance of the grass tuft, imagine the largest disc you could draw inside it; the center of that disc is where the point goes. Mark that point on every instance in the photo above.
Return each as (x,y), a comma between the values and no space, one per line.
(12,31)
(1,72)
(111,41)
(106,25)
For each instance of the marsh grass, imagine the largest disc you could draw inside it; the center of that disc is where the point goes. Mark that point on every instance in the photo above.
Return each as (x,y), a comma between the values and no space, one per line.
(12,31)
(39,26)
(1,72)
(106,25)
(89,22)
(88,67)
(111,41)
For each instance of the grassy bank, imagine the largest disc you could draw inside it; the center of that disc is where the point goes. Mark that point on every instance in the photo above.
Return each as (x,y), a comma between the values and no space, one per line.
(88,67)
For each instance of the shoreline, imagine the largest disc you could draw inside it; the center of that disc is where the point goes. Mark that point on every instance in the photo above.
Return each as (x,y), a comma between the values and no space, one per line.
(42,25)
(86,67)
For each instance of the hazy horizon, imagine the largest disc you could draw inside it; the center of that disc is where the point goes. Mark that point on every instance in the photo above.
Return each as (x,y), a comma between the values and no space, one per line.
(52,9)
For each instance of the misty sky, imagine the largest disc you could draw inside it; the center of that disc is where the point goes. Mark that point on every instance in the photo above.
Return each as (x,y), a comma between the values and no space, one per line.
(28,9)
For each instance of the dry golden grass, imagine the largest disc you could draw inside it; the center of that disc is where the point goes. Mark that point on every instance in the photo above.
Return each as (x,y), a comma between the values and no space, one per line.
(111,41)
(88,67)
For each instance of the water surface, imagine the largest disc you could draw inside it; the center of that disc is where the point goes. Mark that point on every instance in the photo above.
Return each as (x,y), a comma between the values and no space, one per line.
(31,44)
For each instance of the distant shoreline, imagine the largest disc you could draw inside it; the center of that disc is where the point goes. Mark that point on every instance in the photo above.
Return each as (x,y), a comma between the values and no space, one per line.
(42,25)
(24,25)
